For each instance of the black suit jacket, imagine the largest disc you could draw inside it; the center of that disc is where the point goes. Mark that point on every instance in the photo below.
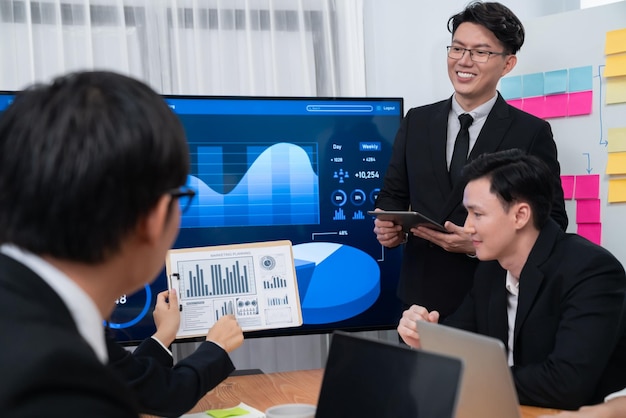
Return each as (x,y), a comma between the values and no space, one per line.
(417,178)
(163,388)
(47,368)
(569,344)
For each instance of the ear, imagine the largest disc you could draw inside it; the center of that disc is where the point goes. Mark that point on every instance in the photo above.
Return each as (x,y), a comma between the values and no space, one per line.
(509,63)
(523,215)
(153,224)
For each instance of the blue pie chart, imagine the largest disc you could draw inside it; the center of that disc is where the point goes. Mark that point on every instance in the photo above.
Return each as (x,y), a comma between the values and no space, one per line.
(335,281)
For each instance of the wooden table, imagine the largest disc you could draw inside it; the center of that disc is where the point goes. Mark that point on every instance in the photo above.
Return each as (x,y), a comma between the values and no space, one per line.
(303,386)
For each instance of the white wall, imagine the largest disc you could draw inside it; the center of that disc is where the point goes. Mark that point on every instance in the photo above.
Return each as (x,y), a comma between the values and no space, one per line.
(405,44)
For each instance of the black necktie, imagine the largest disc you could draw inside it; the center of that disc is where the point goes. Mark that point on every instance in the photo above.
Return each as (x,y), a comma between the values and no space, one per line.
(461,148)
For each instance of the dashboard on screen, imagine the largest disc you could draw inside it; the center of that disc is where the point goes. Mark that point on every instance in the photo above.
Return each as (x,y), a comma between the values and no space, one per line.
(304,169)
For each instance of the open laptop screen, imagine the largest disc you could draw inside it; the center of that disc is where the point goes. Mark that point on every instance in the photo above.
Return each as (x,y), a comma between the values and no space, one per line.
(487,388)
(370,378)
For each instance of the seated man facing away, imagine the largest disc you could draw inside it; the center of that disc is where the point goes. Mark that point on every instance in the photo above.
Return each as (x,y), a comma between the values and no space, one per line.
(559,304)
(92,168)
(167,389)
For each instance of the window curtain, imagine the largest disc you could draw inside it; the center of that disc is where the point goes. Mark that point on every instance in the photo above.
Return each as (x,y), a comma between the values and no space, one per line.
(199,47)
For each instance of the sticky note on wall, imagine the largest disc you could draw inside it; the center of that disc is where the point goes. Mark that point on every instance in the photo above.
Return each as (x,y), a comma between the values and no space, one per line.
(616,163)
(617,190)
(616,140)
(511,87)
(587,187)
(567,183)
(615,42)
(532,85)
(580,79)
(555,82)
(616,90)
(588,211)
(593,232)
(615,65)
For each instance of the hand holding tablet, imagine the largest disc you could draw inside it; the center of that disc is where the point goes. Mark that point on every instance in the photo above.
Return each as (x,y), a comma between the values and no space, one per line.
(408,219)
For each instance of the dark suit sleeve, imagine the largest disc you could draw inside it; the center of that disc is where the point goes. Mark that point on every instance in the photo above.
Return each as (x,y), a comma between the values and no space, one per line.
(544,147)
(585,307)
(151,348)
(170,391)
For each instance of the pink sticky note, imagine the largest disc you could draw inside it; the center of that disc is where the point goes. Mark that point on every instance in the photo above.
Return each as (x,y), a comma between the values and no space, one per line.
(567,183)
(593,232)
(518,103)
(587,187)
(588,211)
(535,105)
(556,106)
(580,103)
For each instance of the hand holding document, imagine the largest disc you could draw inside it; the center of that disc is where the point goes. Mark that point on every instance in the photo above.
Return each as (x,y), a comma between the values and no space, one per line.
(255,282)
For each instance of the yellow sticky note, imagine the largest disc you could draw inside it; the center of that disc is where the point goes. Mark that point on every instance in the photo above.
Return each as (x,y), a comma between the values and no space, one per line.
(615,41)
(616,90)
(615,65)
(226,413)
(617,140)
(617,190)
(616,163)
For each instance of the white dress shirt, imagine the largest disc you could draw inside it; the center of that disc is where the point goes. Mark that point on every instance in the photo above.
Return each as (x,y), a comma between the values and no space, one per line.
(480,116)
(512,289)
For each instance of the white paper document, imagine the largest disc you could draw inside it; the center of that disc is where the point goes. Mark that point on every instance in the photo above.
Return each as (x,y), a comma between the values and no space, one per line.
(256,282)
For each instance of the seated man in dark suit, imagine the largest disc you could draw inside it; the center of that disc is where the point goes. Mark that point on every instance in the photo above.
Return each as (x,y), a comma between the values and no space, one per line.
(92,171)
(559,304)
(167,389)
(613,407)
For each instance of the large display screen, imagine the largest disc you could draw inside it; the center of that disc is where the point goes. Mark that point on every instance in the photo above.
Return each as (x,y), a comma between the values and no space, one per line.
(299,168)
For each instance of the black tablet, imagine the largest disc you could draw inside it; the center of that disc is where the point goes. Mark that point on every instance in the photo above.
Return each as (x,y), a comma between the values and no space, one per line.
(408,219)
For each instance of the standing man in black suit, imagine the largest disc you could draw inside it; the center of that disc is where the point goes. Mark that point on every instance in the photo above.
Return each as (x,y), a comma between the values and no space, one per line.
(92,172)
(431,148)
(555,300)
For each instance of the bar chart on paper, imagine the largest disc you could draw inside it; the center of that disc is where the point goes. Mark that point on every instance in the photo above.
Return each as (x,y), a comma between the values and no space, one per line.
(228,276)
(255,282)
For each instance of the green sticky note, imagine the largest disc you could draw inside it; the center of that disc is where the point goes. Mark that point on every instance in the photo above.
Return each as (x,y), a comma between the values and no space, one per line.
(228,412)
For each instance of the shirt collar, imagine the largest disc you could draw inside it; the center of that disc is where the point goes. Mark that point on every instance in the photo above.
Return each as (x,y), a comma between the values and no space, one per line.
(83,310)
(477,113)
(512,284)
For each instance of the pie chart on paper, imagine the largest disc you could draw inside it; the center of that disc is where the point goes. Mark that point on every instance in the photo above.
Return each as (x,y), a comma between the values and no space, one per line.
(335,281)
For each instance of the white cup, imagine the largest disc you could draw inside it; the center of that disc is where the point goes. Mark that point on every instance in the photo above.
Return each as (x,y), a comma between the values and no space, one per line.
(291,410)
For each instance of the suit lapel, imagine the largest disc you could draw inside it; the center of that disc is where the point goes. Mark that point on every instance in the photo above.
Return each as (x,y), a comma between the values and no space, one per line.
(498,325)
(532,276)
(492,133)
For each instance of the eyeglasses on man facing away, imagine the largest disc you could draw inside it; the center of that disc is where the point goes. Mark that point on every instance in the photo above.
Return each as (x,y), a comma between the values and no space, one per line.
(184,195)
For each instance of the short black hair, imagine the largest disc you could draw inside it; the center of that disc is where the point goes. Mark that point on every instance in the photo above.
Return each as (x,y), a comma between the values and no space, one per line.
(496,17)
(516,177)
(82,159)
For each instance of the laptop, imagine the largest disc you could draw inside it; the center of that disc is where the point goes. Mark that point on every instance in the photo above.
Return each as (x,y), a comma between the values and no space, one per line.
(370,378)
(487,388)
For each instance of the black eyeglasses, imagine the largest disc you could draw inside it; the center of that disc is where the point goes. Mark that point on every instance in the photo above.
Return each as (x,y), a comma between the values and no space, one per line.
(476,55)
(184,195)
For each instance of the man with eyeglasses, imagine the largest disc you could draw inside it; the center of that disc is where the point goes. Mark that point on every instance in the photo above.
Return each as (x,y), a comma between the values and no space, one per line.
(91,174)
(435,141)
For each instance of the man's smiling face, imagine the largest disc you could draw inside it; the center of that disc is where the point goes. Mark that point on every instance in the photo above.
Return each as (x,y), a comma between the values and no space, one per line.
(475,82)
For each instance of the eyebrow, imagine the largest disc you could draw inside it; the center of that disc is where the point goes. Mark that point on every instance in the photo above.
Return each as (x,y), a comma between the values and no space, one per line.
(479,46)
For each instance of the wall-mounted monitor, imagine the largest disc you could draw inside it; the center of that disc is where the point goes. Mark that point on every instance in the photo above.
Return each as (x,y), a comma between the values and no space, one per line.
(305,169)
